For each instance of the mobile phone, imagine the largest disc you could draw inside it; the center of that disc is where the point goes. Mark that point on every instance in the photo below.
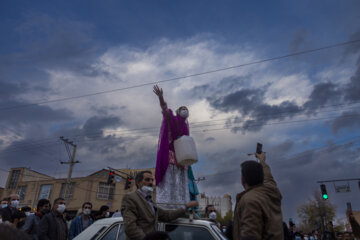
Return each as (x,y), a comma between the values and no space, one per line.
(259,148)
(348,205)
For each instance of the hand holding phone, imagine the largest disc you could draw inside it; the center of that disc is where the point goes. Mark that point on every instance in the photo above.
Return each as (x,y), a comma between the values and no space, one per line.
(259,148)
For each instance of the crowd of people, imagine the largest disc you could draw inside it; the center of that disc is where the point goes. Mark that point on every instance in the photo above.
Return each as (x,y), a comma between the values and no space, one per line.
(48,222)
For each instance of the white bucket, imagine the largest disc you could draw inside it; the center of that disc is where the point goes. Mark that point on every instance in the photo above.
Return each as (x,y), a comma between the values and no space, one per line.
(185,151)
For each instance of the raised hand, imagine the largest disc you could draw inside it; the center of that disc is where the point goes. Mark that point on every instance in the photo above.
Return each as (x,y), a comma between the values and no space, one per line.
(158,91)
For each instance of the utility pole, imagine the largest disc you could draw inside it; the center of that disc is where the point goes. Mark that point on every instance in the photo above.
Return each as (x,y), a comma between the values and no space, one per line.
(71,163)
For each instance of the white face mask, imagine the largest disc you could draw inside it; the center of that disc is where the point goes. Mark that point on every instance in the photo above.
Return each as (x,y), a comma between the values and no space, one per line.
(15,203)
(184,113)
(61,208)
(107,214)
(147,190)
(87,211)
(212,215)
(4,205)
(27,213)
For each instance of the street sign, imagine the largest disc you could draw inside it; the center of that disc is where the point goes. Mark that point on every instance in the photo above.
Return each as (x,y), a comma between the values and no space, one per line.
(342,188)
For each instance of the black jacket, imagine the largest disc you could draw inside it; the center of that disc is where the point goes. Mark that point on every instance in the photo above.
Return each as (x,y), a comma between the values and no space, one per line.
(7,214)
(49,228)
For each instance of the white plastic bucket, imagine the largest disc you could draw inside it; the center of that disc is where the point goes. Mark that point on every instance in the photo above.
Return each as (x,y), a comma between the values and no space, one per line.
(185,151)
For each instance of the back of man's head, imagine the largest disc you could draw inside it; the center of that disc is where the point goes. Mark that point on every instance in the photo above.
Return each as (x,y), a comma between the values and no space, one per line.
(157,236)
(252,172)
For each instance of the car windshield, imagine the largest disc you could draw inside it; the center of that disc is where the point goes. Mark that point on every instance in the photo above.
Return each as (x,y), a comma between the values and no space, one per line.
(218,232)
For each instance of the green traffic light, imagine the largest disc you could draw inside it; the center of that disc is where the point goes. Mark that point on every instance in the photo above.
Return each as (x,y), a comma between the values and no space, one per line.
(325,196)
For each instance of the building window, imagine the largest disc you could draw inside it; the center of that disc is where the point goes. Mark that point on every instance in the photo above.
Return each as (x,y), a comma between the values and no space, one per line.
(105,191)
(14,179)
(21,192)
(69,192)
(45,191)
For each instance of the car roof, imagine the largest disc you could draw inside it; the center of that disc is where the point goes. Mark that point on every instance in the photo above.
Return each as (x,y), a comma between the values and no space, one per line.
(109,221)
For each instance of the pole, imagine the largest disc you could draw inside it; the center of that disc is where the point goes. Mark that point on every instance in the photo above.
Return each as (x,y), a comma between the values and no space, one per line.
(71,163)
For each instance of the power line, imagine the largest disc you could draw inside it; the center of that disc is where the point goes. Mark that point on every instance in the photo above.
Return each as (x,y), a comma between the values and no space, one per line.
(51,140)
(184,77)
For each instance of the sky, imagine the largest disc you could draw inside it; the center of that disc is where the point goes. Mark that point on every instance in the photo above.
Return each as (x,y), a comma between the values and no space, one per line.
(85,69)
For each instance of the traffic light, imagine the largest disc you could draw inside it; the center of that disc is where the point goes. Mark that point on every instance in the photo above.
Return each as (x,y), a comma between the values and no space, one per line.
(128,183)
(111,177)
(323,191)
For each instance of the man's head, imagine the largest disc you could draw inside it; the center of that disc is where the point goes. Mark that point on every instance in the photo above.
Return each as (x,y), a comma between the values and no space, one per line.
(144,178)
(251,173)
(182,111)
(209,209)
(59,205)
(43,204)
(86,208)
(14,200)
(4,203)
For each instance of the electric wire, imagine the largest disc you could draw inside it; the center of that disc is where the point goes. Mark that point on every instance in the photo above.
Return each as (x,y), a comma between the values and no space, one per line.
(183,77)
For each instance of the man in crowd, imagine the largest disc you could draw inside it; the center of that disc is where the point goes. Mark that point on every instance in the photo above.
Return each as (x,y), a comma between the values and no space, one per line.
(32,222)
(4,203)
(210,212)
(53,226)
(258,208)
(140,212)
(81,222)
(8,211)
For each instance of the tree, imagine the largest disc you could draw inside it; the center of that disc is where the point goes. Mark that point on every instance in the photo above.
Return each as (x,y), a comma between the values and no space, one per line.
(226,219)
(315,212)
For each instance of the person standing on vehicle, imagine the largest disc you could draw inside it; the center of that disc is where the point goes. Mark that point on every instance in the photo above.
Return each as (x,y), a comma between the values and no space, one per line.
(81,222)
(258,208)
(53,226)
(139,211)
(32,222)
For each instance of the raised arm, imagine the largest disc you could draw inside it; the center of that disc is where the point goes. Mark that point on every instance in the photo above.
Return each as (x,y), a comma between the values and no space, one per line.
(268,178)
(159,92)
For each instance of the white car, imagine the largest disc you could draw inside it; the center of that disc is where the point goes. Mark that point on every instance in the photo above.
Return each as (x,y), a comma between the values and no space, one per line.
(180,229)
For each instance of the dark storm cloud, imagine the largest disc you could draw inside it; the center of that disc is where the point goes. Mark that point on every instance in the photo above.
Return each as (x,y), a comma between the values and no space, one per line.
(348,119)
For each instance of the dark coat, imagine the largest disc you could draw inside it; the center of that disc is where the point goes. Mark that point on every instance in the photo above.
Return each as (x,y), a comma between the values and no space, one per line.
(7,214)
(49,228)
(139,218)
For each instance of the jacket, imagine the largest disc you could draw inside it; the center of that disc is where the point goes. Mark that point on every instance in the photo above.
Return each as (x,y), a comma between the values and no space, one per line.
(139,217)
(258,210)
(76,226)
(7,213)
(31,226)
(49,227)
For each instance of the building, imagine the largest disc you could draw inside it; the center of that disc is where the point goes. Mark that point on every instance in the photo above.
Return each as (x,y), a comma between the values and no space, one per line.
(32,186)
(221,204)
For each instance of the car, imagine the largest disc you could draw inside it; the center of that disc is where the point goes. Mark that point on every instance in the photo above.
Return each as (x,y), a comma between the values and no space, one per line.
(180,229)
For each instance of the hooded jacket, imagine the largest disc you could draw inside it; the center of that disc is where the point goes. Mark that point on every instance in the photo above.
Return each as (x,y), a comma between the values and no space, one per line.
(258,210)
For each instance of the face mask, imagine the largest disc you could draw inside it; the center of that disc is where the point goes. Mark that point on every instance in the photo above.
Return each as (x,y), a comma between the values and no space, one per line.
(184,113)
(212,215)
(27,213)
(87,211)
(297,238)
(45,211)
(224,230)
(312,238)
(306,238)
(147,190)
(107,214)
(15,203)
(61,208)
(4,205)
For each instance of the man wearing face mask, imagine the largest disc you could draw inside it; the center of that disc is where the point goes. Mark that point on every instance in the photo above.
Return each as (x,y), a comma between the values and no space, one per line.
(210,212)
(32,222)
(53,226)
(140,212)
(4,203)
(81,222)
(8,211)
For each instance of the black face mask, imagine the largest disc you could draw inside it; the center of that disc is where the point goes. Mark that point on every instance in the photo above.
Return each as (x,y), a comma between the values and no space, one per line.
(45,211)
